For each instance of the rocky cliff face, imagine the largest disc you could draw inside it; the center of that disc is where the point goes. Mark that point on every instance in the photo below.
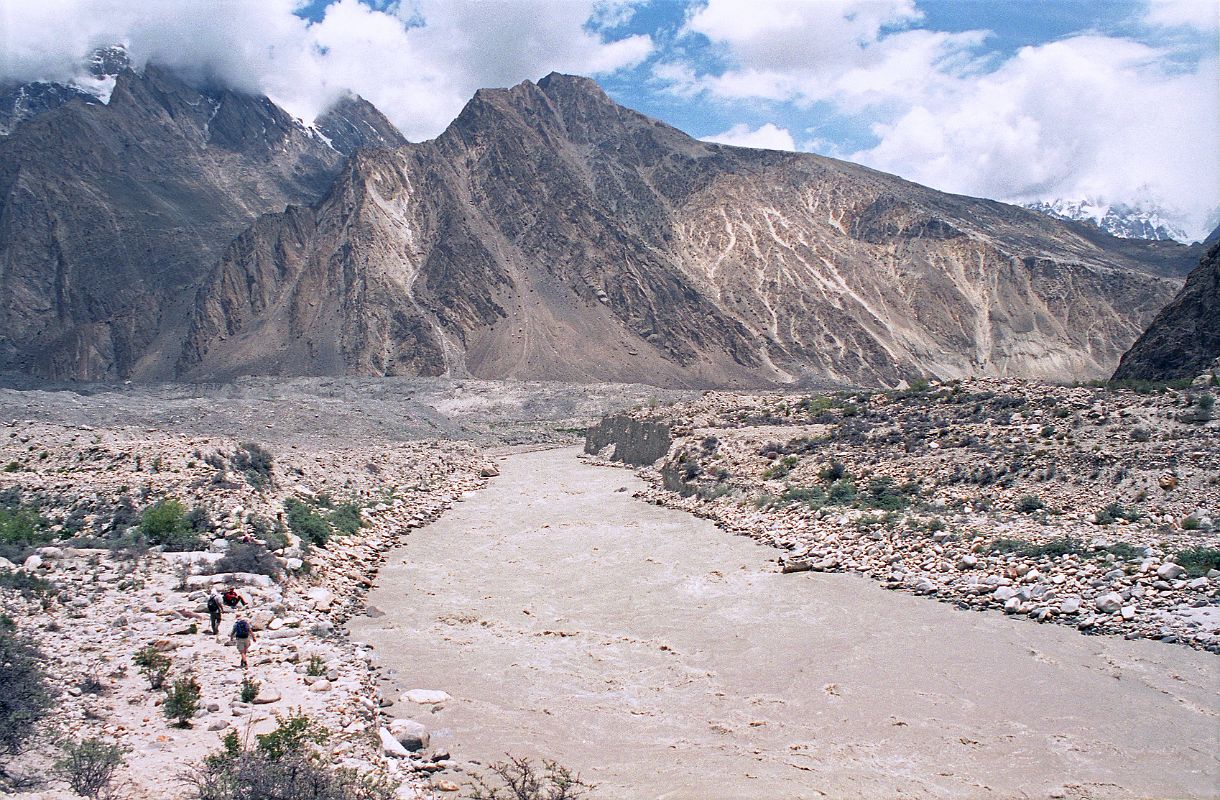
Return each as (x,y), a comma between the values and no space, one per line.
(110,215)
(1184,339)
(550,233)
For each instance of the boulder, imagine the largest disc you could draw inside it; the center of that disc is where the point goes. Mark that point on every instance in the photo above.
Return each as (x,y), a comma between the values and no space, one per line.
(425,697)
(410,734)
(391,746)
(1170,571)
(1109,603)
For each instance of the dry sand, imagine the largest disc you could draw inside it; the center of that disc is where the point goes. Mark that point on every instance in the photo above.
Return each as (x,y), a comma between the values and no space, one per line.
(664,658)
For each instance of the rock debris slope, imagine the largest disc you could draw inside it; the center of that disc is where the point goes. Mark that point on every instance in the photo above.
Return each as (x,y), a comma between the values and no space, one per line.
(1184,339)
(110,214)
(550,233)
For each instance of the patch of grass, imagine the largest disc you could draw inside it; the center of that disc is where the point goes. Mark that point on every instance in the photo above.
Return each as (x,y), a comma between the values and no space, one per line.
(1061,546)
(1124,551)
(842,492)
(1199,561)
(780,468)
(812,496)
(1114,512)
(884,494)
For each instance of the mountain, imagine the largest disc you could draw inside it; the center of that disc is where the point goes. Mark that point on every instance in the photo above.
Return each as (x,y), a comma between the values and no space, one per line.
(1121,220)
(1184,339)
(112,213)
(549,233)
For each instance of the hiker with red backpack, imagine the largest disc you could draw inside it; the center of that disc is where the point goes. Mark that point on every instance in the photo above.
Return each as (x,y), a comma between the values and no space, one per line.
(242,635)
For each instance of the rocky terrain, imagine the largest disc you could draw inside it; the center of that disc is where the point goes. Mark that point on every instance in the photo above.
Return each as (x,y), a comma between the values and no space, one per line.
(92,462)
(1093,507)
(112,213)
(1184,339)
(550,233)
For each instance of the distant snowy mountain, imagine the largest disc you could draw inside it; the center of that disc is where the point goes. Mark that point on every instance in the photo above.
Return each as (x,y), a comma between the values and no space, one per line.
(22,101)
(1119,219)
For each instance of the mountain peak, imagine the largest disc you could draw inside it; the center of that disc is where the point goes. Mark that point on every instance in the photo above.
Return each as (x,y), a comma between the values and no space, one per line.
(353,122)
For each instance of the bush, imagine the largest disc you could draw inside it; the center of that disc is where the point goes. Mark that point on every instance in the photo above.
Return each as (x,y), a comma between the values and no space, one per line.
(884,494)
(281,765)
(1028,504)
(833,471)
(346,517)
(182,700)
(249,690)
(248,557)
(1191,523)
(522,781)
(24,696)
(165,523)
(21,530)
(780,468)
(316,667)
(153,665)
(88,766)
(1114,512)
(842,491)
(255,463)
(306,523)
(25,584)
(812,496)
(1199,561)
(1061,546)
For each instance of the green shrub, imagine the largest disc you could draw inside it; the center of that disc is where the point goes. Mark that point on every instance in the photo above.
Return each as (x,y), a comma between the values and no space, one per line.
(315,667)
(24,694)
(306,523)
(249,689)
(1028,504)
(780,468)
(882,493)
(22,529)
(1064,545)
(1199,561)
(1114,512)
(165,523)
(346,518)
(812,496)
(1191,523)
(182,700)
(842,492)
(153,665)
(25,584)
(1125,551)
(255,463)
(89,766)
(833,471)
(281,765)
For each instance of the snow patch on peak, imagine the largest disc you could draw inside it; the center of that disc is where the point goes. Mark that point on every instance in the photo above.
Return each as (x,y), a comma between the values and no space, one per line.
(1126,221)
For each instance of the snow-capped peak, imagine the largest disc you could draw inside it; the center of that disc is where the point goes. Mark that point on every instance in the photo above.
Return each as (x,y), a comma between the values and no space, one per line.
(1139,221)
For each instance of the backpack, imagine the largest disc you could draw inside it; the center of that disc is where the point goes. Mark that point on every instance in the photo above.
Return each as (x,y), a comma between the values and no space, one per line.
(241,629)
(213,604)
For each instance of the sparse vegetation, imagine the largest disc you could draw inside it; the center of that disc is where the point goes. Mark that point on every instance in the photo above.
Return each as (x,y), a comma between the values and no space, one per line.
(154,665)
(306,523)
(315,667)
(248,557)
(1199,561)
(282,764)
(255,463)
(89,766)
(1029,503)
(345,518)
(519,779)
(24,694)
(249,689)
(165,523)
(1114,512)
(182,700)
(22,529)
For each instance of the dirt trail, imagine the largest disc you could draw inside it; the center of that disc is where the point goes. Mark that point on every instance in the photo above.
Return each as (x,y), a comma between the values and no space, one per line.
(665,658)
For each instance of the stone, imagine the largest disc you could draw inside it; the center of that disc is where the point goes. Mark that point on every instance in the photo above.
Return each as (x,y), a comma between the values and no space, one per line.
(967,561)
(321,685)
(444,784)
(1004,593)
(1069,605)
(1128,613)
(1168,482)
(425,696)
(267,696)
(410,734)
(391,746)
(1109,603)
(33,562)
(1170,571)
(489,471)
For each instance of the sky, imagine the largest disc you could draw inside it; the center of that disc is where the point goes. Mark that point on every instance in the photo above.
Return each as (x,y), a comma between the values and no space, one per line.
(1117,101)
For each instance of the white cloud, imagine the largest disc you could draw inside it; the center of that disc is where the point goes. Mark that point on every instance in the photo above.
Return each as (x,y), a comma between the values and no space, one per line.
(418,63)
(767,137)
(1089,115)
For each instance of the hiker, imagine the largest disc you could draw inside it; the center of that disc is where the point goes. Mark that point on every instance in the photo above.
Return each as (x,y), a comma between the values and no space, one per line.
(242,635)
(214,611)
(232,598)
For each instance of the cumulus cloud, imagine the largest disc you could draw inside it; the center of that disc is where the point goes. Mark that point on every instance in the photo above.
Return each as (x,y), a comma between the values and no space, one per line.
(1110,118)
(767,136)
(419,62)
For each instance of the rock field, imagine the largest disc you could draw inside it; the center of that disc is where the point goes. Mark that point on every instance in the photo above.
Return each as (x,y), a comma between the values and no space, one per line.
(1092,507)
